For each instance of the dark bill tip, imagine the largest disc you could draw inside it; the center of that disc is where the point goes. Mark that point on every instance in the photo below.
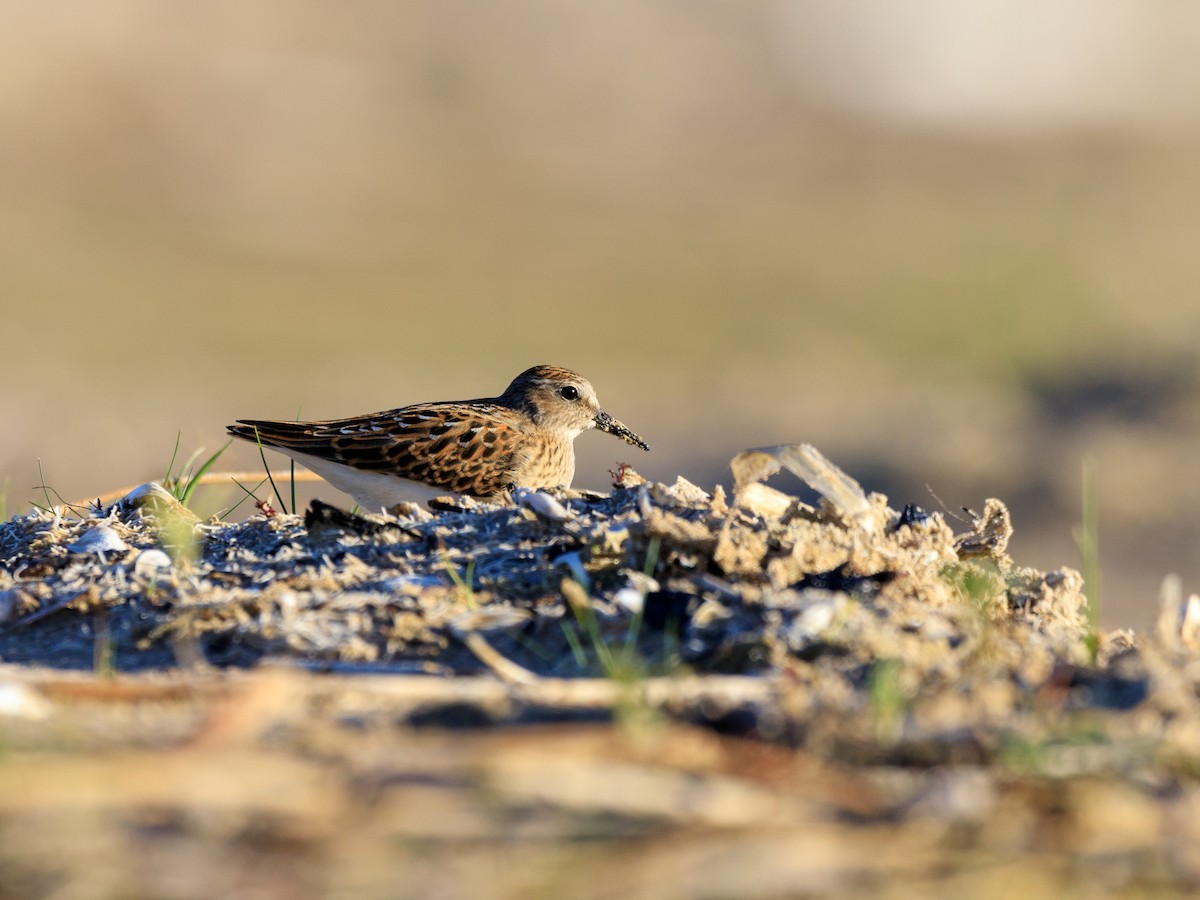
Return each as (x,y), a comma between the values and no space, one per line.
(605,422)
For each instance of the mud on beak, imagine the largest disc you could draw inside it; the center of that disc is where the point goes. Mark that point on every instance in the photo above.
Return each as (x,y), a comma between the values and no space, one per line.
(605,422)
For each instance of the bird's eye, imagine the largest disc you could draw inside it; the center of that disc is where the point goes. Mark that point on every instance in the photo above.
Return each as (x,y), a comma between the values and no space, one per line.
(570,392)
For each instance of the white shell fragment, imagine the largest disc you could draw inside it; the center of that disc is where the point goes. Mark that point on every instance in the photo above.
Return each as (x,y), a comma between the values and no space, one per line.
(151,495)
(151,562)
(20,701)
(633,596)
(99,540)
(631,599)
(143,491)
(541,504)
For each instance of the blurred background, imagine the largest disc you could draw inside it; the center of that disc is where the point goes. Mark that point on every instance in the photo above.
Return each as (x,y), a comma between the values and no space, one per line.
(951,242)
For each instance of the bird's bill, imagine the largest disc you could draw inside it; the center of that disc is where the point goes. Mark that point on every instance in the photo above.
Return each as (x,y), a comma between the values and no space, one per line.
(605,422)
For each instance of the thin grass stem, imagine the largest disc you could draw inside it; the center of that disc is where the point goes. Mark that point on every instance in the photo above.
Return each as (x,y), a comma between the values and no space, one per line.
(1087,537)
(574,643)
(263,453)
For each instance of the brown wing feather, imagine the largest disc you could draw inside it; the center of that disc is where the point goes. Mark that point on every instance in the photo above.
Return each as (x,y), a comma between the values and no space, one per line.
(467,449)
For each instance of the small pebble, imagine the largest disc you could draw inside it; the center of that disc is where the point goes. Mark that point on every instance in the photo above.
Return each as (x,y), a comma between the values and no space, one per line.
(631,599)
(150,562)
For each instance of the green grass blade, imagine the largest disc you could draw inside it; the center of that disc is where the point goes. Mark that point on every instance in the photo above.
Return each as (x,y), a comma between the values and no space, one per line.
(574,643)
(1087,537)
(653,548)
(171,464)
(194,480)
(249,495)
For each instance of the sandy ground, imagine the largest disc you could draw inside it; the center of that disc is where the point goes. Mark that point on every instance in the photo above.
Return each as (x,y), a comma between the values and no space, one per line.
(653,691)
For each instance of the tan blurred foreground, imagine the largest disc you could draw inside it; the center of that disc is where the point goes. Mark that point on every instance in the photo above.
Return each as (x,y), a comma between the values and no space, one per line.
(286,784)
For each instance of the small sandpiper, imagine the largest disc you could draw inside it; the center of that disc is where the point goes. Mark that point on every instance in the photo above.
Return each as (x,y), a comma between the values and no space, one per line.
(481,448)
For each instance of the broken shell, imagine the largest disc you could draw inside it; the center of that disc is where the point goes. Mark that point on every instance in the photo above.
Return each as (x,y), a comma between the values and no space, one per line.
(150,562)
(807,463)
(541,504)
(764,500)
(99,540)
(158,501)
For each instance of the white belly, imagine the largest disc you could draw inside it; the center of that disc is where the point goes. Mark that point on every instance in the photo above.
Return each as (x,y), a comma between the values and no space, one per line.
(372,491)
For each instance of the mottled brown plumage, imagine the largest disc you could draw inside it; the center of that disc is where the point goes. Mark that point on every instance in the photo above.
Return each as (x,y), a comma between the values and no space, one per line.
(523,438)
